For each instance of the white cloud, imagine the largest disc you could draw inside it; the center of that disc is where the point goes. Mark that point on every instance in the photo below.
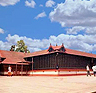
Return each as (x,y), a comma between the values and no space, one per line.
(86,43)
(75,29)
(91,30)
(1,31)
(30,4)
(8,2)
(76,13)
(13,39)
(41,5)
(50,3)
(4,44)
(33,44)
(80,42)
(43,14)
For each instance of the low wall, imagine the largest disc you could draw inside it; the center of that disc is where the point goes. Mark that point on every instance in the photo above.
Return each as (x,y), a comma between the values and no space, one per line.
(19,73)
(51,72)
(59,72)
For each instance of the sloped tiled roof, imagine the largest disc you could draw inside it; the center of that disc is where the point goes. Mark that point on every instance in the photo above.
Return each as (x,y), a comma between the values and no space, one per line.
(68,51)
(80,53)
(43,52)
(12,57)
(37,53)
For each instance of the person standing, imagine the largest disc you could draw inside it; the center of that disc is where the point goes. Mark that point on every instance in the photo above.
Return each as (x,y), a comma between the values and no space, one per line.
(94,70)
(88,70)
(9,71)
(57,67)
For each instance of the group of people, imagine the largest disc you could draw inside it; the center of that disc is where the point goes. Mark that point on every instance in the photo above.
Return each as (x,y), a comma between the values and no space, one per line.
(88,70)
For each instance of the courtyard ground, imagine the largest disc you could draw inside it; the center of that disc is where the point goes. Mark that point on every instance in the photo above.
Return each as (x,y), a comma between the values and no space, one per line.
(47,84)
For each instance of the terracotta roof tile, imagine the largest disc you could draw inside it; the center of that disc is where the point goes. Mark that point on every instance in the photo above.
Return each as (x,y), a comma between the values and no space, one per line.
(80,53)
(15,57)
(37,53)
(12,57)
(56,47)
(68,51)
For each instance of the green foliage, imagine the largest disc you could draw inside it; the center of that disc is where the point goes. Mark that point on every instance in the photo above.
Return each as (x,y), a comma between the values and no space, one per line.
(21,47)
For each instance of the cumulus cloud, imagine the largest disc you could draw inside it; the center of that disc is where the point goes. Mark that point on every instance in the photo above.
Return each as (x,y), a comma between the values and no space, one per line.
(43,14)
(1,31)
(85,43)
(91,30)
(33,44)
(50,3)
(75,29)
(30,4)
(13,39)
(76,13)
(80,42)
(4,44)
(8,2)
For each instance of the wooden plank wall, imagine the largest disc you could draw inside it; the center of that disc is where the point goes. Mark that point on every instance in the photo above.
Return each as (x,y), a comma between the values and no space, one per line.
(63,60)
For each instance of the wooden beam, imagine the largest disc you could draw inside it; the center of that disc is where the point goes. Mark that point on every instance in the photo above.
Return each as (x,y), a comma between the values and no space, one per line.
(22,69)
(16,71)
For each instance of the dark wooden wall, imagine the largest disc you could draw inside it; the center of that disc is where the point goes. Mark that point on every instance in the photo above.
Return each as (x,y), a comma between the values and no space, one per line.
(62,60)
(4,67)
(50,61)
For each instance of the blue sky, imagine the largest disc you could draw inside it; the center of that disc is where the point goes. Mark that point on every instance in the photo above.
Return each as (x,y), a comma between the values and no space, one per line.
(20,19)
(41,22)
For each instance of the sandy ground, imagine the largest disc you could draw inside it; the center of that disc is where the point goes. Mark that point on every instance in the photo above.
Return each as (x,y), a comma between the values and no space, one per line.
(47,84)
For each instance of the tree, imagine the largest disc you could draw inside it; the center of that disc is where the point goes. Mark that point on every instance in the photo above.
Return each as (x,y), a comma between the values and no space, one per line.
(21,47)
(12,48)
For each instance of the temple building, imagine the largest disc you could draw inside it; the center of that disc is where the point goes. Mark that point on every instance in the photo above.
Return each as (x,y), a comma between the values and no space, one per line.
(56,60)
(15,60)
